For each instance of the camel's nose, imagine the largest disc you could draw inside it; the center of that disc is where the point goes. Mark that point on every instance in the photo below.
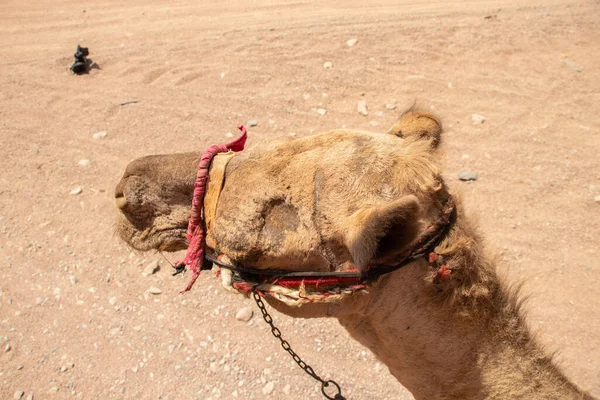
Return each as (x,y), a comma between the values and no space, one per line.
(120,201)
(120,196)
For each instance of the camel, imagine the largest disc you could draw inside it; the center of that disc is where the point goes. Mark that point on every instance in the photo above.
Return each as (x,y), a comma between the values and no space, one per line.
(445,324)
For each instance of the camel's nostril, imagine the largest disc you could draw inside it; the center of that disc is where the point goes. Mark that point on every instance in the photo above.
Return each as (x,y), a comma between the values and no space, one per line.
(121,201)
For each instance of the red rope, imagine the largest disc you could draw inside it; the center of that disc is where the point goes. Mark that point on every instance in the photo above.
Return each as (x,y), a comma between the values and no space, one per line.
(194,257)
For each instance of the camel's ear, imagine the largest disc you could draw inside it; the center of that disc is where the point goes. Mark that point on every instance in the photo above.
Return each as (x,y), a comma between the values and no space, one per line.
(377,234)
(421,125)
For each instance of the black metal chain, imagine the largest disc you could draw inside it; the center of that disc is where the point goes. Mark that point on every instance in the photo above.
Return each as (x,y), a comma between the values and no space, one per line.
(286,346)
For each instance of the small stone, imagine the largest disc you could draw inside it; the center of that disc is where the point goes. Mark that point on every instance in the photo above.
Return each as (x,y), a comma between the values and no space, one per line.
(467,175)
(597,199)
(73,279)
(321,111)
(100,135)
(114,331)
(391,106)
(18,394)
(7,348)
(252,122)
(373,123)
(477,119)
(244,314)
(19,367)
(63,369)
(352,42)
(327,65)
(362,107)
(53,390)
(287,389)
(76,191)
(134,369)
(268,388)
(30,396)
(151,269)
(573,66)
(154,290)
(229,134)
(306,96)
(112,301)
(84,162)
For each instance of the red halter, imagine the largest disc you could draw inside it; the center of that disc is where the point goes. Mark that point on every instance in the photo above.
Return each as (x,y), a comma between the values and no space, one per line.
(194,257)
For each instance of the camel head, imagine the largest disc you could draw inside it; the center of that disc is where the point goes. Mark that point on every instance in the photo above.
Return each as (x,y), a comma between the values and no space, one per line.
(337,201)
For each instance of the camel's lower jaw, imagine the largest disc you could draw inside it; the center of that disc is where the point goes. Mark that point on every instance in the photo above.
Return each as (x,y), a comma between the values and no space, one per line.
(171,246)
(169,240)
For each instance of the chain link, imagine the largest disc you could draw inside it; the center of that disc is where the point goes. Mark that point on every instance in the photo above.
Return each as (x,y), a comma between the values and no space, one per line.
(286,346)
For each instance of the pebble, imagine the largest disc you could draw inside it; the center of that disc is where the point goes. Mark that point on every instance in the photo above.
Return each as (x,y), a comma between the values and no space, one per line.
(73,279)
(597,199)
(19,367)
(321,111)
(573,66)
(373,123)
(30,397)
(154,290)
(76,191)
(244,314)
(151,269)
(391,106)
(287,389)
(362,107)
(112,301)
(100,135)
(114,331)
(477,119)
(327,65)
(18,394)
(84,162)
(268,388)
(467,175)
(306,96)
(352,42)
(7,348)
(53,390)
(252,122)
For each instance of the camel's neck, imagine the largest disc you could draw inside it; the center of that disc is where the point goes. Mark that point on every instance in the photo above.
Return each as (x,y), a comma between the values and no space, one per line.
(465,340)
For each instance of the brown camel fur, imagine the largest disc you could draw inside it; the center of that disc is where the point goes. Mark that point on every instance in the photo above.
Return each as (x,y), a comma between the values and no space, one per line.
(351,198)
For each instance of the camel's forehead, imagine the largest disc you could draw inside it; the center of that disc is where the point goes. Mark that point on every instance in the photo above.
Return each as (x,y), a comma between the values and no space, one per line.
(284,199)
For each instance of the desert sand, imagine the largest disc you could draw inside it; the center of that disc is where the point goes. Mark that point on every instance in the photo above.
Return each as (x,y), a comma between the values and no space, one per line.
(77,317)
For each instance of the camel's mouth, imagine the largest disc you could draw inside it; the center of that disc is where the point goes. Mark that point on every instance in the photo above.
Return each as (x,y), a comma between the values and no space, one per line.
(169,239)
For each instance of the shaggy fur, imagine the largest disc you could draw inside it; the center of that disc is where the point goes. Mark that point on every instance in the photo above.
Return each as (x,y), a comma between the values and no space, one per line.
(351,199)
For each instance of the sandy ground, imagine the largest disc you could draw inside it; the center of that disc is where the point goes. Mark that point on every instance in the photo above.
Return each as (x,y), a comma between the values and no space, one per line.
(76,320)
